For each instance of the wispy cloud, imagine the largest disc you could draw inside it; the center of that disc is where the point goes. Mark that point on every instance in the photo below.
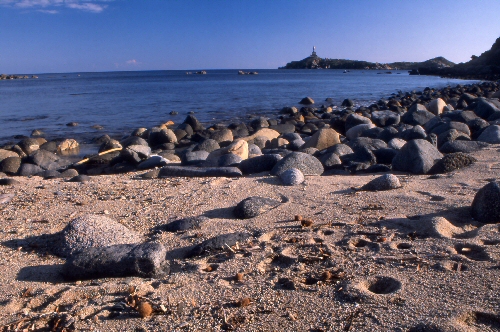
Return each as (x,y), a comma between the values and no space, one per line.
(132,62)
(54,6)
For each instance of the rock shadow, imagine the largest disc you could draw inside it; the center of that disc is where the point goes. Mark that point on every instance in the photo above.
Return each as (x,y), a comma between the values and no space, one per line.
(42,273)
(221,213)
(41,244)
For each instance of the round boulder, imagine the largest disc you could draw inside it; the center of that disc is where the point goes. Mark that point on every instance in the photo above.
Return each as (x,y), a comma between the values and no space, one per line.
(304,162)
(486,204)
(291,177)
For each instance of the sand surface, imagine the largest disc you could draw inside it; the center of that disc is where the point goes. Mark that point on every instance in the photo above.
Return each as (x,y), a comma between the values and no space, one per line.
(409,259)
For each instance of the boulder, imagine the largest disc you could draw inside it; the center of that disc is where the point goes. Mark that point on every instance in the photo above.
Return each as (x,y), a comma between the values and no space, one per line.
(158,136)
(485,108)
(263,163)
(67,144)
(208,145)
(322,139)
(291,177)
(329,160)
(385,118)
(306,101)
(94,231)
(194,123)
(29,145)
(417,156)
(266,132)
(28,169)
(462,146)
(486,204)
(355,119)
(304,162)
(152,162)
(192,158)
(451,162)
(109,145)
(417,115)
(254,206)
(10,165)
(229,159)
(7,153)
(358,130)
(449,136)
(490,134)
(436,106)
(184,224)
(384,182)
(135,153)
(134,140)
(217,243)
(224,136)
(145,260)
(190,171)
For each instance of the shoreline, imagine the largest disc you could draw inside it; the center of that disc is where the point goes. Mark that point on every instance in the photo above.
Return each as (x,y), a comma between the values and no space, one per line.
(380,218)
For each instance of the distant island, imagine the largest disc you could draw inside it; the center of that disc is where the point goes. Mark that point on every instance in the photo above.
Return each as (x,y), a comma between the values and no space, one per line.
(483,67)
(315,62)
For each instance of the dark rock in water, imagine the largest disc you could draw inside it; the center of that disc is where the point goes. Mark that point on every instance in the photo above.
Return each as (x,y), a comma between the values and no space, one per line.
(229,159)
(101,139)
(133,140)
(93,231)
(417,115)
(208,145)
(417,156)
(304,162)
(254,206)
(291,177)
(8,182)
(10,165)
(27,169)
(463,146)
(263,163)
(158,136)
(72,124)
(145,260)
(306,101)
(217,243)
(486,204)
(110,144)
(490,135)
(347,103)
(194,123)
(184,224)
(190,171)
(384,182)
(451,162)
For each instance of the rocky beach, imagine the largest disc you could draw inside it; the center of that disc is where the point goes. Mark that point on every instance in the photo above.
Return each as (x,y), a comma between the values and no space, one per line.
(381,218)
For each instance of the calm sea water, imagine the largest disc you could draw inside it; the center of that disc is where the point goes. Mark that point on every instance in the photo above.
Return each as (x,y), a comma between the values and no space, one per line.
(123,101)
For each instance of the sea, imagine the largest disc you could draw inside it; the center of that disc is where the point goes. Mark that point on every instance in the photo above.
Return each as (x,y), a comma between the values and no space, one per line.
(123,101)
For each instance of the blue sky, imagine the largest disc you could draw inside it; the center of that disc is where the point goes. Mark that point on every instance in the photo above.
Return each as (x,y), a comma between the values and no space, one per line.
(40,36)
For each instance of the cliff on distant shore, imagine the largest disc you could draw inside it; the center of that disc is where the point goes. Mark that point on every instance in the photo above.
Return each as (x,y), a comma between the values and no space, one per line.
(315,62)
(483,67)
(15,77)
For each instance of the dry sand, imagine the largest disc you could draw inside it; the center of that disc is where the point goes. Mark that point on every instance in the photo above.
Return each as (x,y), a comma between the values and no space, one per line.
(365,264)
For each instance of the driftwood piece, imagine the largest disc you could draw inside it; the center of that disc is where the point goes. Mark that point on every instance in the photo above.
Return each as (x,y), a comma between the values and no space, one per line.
(83,161)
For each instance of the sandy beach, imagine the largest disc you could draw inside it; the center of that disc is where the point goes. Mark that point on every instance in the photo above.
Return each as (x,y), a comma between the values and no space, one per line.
(365,264)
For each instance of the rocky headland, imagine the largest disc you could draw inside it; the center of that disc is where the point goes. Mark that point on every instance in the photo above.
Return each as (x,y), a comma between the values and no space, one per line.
(325,218)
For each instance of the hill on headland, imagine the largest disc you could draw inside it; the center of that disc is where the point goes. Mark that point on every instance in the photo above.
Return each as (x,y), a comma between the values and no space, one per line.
(315,62)
(483,67)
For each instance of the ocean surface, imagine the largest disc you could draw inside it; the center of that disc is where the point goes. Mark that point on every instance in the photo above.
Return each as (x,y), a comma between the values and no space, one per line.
(123,101)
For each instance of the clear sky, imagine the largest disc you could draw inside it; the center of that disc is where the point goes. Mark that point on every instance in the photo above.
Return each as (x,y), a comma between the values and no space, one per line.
(41,36)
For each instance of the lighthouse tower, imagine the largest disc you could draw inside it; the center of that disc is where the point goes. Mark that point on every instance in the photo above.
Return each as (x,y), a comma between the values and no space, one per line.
(313,54)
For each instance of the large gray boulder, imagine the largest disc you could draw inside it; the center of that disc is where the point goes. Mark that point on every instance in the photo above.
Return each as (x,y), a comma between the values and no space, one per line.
(48,160)
(94,231)
(417,156)
(486,204)
(485,108)
(385,118)
(263,163)
(490,134)
(463,146)
(254,206)
(191,171)
(10,165)
(145,260)
(135,153)
(417,115)
(322,139)
(304,162)
(7,153)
